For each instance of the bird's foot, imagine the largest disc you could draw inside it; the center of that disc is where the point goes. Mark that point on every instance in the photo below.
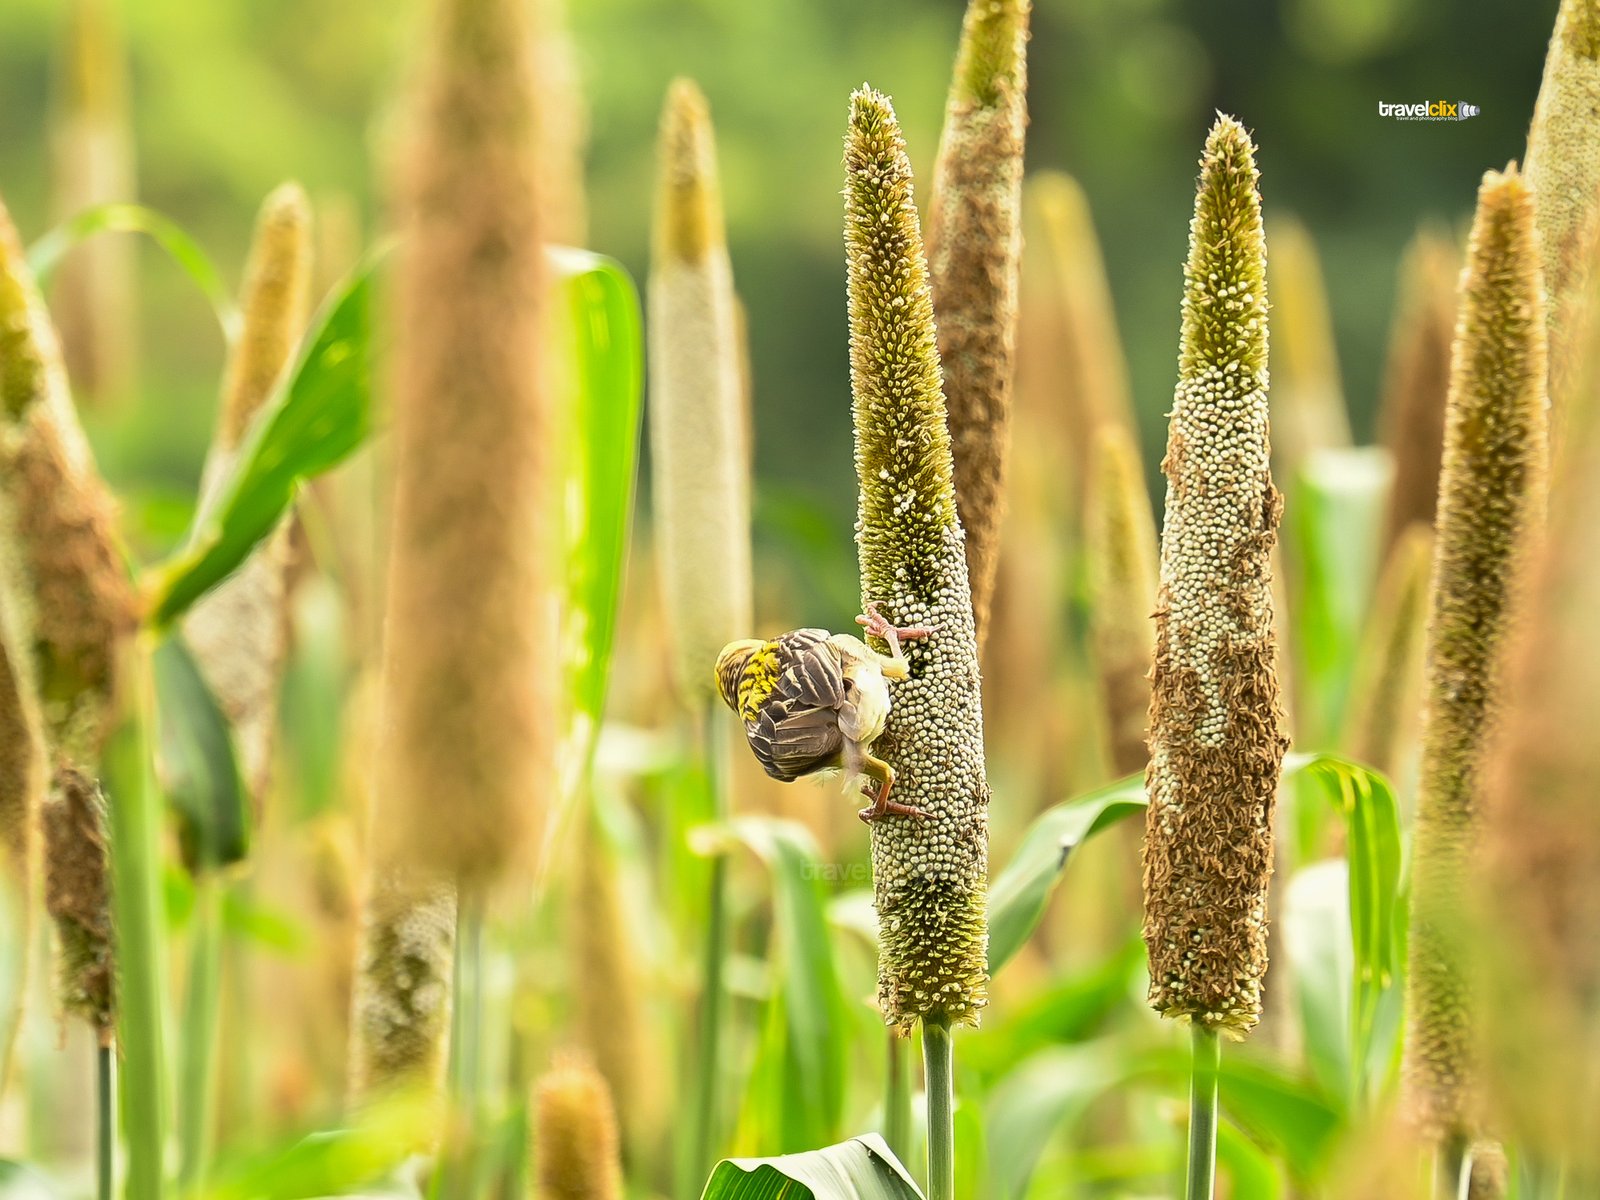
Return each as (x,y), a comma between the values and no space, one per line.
(877,625)
(882,806)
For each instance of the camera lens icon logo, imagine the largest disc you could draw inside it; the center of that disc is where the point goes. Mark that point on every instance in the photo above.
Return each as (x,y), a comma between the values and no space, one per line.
(1468,110)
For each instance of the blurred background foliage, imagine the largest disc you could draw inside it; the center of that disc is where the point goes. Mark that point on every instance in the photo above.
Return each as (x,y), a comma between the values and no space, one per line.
(228,99)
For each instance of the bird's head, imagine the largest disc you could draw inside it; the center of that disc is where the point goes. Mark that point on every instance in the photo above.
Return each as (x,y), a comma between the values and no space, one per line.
(730,665)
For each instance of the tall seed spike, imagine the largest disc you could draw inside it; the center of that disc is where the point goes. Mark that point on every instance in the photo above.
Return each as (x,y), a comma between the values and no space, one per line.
(1416,379)
(1075,366)
(237,630)
(575,1135)
(1491,494)
(930,877)
(1563,171)
(1386,682)
(1122,563)
(1216,740)
(92,159)
(400,1014)
(78,898)
(698,443)
(465,759)
(1539,914)
(1308,409)
(57,523)
(974,248)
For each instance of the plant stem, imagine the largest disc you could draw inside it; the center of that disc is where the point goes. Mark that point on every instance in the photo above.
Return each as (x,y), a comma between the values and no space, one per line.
(458,1173)
(141,957)
(105,1125)
(708,1077)
(897,1098)
(200,1034)
(1203,1113)
(938,1074)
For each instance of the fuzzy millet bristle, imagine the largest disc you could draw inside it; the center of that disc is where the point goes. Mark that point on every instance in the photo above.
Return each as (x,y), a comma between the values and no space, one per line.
(974,249)
(1121,560)
(77,891)
(930,877)
(575,1135)
(1491,495)
(465,761)
(699,459)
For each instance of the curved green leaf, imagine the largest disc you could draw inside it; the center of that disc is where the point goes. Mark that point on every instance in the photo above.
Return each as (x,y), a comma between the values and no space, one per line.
(199,765)
(861,1169)
(1019,894)
(320,411)
(1028,1107)
(46,253)
(795,1096)
(600,324)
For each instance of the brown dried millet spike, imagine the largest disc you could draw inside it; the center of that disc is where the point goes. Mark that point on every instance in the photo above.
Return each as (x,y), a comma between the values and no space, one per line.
(1216,725)
(77,895)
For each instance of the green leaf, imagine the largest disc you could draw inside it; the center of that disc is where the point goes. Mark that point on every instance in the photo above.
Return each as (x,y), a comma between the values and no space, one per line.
(46,253)
(796,1092)
(599,324)
(1316,939)
(1019,894)
(1028,1107)
(199,765)
(320,411)
(1376,904)
(1335,541)
(18,1181)
(1252,1173)
(1290,1117)
(861,1169)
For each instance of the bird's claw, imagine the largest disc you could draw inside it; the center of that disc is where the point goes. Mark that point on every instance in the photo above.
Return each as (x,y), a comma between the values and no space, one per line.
(877,625)
(882,806)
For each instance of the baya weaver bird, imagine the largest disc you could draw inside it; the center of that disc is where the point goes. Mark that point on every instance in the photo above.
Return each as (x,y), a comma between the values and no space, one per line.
(815,701)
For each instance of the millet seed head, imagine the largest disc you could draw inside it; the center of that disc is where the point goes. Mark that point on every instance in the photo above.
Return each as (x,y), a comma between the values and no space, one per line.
(974,250)
(1563,171)
(930,877)
(698,442)
(1491,495)
(1216,724)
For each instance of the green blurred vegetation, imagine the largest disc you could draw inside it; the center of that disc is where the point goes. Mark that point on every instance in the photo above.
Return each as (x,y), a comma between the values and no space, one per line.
(231,98)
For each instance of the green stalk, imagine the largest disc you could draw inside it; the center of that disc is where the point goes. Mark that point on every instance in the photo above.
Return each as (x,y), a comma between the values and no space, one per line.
(712,992)
(105,1125)
(897,1098)
(200,1034)
(938,1071)
(458,1177)
(136,878)
(1203,1113)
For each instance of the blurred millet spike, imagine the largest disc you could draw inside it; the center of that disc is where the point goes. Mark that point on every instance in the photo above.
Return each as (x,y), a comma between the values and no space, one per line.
(237,630)
(974,248)
(400,1017)
(1563,171)
(575,1135)
(1216,723)
(1386,681)
(465,757)
(1121,561)
(930,877)
(1539,908)
(1416,379)
(77,891)
(1491,496)
(75,599)
(1308,409)
(699,462)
